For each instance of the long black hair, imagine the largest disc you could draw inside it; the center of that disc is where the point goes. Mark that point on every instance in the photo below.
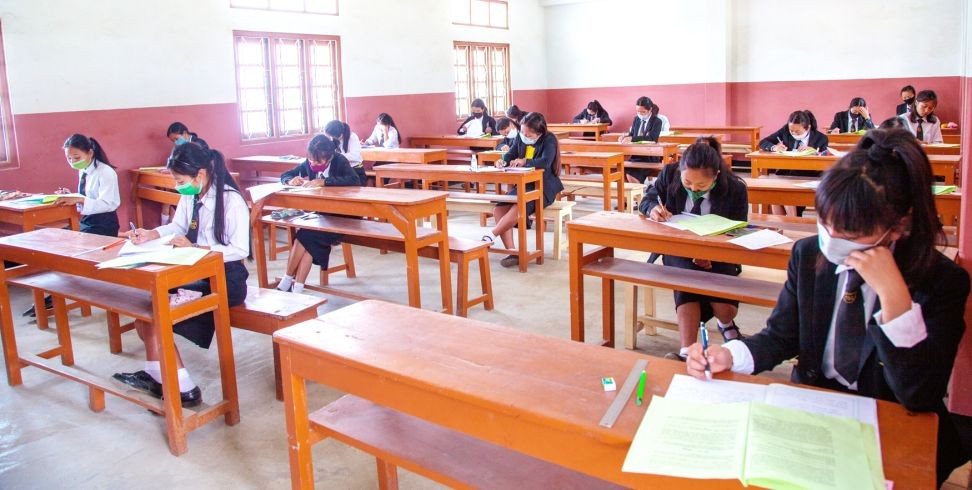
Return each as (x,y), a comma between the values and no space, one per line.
(321,148)
(515,113)
(647,103)
(923,96)
(386,119)
(538,124)
(81,142)
(505,122)
(706,154)
(188,160)
(884,181)
(595,106)
(482,105)
(336,129)
(803,118)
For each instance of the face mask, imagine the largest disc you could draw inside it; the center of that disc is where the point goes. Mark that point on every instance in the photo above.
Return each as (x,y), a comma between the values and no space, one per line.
(318,167)
(80,164)
(181,141)
(800,136)
(478,115)
(644,117)
(695,195)
(188,189)
(512,134)
(909,100)
(836,250)
(526,140)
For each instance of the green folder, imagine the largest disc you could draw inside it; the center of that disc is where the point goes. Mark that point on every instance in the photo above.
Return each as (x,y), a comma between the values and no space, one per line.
(943,189)
(711,224)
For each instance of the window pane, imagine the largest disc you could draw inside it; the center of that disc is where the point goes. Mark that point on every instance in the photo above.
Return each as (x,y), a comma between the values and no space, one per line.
(497,14)
(4,153)
(253,87)
(323,81)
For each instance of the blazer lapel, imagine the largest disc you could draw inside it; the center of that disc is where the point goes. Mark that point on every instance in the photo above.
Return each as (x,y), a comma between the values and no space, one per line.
(822,305)
(867,347)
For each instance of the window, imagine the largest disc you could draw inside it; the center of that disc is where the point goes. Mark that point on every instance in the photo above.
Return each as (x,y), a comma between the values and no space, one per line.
(485,13)
(288,85)
(329,7)
(8,145)
(482,72)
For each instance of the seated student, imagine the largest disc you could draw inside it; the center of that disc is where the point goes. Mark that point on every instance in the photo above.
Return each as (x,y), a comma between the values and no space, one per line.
(907,99)
(211,215)
(385,134)
(855,118)
(646,126)
(510,130)
(324,166)
(538,148)
(478,123)
(348,145)
(593,113)
(700,183)
(869,306)
(178,134)
(515,113)
(921,120)
(98,182)
(665,126)
(799,133)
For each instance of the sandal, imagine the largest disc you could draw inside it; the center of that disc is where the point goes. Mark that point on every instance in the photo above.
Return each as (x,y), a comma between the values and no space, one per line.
(731,332)
(487,238)
(510,261)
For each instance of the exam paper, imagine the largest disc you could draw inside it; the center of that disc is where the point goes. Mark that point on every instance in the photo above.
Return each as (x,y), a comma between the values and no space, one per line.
(174,256)
(161,243)
(811,184)
(760,239)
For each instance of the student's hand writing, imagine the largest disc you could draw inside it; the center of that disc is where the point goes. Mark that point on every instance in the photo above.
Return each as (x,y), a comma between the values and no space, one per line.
(181,241)
(505,148)
(779,147)
(835,131)
(297,181)
(659,213)
(62,190)
(879,270)
(140,235)
(802,148)
(624,139)
(720,359)
(519,162)
(70,201)
(314,183)
(703,263)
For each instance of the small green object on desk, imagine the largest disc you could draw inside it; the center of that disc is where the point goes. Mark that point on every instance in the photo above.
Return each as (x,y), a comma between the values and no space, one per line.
(943,189)
(641,388)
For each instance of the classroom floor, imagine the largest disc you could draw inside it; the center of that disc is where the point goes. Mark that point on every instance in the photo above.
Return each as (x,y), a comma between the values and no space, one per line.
(49,439)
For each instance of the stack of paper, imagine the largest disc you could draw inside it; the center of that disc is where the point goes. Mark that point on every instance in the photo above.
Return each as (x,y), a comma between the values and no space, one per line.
(173,256)
(710,224)
(46,198)
(761,239)
(156,245)
(943,189)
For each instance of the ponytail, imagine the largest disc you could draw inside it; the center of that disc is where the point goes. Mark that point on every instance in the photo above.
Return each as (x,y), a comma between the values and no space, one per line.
(337,128)
(83,143)
(188,160)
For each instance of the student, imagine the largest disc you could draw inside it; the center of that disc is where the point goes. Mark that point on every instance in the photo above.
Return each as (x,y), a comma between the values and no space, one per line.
(385,134)
(700,183)
(515,113)
(478,123)
(324,166)
(646,126)
(98,182)
(510,130)
(921,120)
(178,134)
(907,98)
(348,145)
(538,148)
(855,118)
(870,306)
(211,215)
(799,133)
(593,113)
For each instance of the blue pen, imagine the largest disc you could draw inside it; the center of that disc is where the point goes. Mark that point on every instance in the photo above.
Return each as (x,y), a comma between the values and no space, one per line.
(704,334)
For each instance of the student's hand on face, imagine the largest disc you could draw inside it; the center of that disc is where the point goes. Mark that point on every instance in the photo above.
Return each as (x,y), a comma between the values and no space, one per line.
(659,213)
(879,270)
(296,181)
(703,263)
(864,112)
(314,183)
(720,359)
(180,241)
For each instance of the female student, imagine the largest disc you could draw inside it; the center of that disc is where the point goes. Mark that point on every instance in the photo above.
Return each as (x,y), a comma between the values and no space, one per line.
(510,130)
(799,133)
(98,182)
(700,183)
(178,134)
(385,134)
(478,123)
(921,120)
(869,306)
(324,166)
(348,145)
(855,118)
(593,113)
(538,148)
(646,126)
(907,98)
(515,113)
(211,215)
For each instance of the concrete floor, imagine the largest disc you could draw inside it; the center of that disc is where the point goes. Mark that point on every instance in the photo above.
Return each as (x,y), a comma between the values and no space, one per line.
(49,439)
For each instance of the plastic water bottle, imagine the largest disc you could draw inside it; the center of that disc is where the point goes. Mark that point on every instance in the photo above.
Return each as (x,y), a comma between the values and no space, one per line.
(473,163)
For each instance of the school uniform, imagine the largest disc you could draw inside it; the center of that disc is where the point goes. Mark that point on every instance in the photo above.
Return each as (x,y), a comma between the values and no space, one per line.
(643,130)
(377,138)
(194,219)
(732,203)
(338,173)
(508,141)
(353,155)
(907,360)
(545,154)
(849,123)
(99,185)
(931,132)
(812,138)
(584,117)
(477,127)
(902,108)
(665,126)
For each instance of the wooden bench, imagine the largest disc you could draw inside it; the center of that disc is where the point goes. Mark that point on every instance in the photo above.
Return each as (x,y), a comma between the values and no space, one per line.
(591,186)
(635,273)
(397,439)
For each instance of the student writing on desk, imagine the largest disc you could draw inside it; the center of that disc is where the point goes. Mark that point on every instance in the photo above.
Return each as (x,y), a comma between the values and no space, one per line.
(700,183)
(907,98)
(798,134)
(594,114)
(869,306)
(348,145)
(646,126)
(478,123)
(178,134)
(510,130)
(212,215)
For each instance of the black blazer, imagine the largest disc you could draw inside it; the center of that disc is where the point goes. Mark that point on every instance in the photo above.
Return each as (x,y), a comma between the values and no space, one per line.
(654,129)
(584,117)
(341,173)
(489,125)
(508,141)
(818,140)
(901,109)
(840,121)
(546,155)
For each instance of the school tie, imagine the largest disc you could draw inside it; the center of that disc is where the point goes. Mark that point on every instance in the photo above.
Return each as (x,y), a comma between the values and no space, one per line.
(697,206)
(850,329)
(853,124)
(644,127)
(83,185)
(193,234)
(920,131)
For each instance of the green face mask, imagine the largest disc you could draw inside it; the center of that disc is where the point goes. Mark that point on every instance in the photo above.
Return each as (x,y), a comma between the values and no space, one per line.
(188,189)
(695,195)
(80,164)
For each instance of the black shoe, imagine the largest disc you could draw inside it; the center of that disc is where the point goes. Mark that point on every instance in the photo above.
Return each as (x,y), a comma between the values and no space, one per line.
(191,398)
(731,332)
(675,356)
(48,304)
(140,380)
(510,261)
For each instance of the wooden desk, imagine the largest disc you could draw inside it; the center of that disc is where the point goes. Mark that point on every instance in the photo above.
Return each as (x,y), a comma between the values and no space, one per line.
(762,161)
(685,139)
(945,166)
(28,217)
(612,171)
(667,151)
(942,149)
(610,230)
(402,208)
(462,173)
(76,254)
(404,155)
(530,393)
(597,129)
(155,186)
(844,138)
(454,141)
(255,168)
(751,131)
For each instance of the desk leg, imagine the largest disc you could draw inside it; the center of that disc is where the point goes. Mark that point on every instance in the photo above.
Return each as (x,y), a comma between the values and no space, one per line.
(224,345)
(521,221)
(445,271)
(298,425)
(138,212)
(540,228)
(412,265)
(575,251)
(606,177)
(754,168)
(607,312)
(10,355)
(260,255)
(172,401)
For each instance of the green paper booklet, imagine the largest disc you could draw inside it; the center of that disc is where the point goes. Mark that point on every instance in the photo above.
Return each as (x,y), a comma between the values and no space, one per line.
(943,189)
(710,224)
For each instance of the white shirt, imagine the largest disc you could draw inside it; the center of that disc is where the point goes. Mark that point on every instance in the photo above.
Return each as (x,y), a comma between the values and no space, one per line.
(904,332)
(100,189)
(932,132)
(664,122)
(474,127)
(706,204)
(377,136)
(236,225)
(354,150)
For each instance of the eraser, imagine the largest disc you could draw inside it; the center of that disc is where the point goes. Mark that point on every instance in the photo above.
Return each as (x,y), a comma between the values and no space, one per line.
(608,384)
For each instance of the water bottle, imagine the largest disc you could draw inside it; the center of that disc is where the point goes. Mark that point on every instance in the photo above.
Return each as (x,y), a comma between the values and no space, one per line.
(473,163)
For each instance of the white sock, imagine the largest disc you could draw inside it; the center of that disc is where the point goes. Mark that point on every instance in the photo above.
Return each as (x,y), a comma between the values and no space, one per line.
(683,352)
(723,325)
(165,218)
(285,283)
(154,369)
(298,287)
(185,382)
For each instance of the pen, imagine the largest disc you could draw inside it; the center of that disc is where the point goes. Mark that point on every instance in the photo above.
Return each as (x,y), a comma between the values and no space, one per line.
(705,346)
(641,389)
(134,230)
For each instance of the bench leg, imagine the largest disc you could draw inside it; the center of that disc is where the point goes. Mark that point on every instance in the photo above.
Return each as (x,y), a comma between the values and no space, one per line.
(649,301)
(63,331)
(558,230)
(348,260)
(277,380)
(486,281)
(114,333)
(273,242)
(387,475)
(39,309)
(630,316)
(462,287)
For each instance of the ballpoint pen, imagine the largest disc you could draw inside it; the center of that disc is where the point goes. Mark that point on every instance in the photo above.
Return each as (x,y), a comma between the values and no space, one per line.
(704,334)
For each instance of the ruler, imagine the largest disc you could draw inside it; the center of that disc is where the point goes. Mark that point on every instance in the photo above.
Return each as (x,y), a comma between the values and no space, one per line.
(613,411)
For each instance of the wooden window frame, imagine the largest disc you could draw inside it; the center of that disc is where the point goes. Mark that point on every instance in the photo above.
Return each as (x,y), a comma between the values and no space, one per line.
(268,8)
(8,136)
(306,85)
(488,24)
(471,45)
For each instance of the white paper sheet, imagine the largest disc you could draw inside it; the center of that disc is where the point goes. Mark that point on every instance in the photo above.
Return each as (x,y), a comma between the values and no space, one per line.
(760,239)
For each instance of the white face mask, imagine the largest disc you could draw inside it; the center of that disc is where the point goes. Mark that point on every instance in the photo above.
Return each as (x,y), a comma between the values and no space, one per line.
(800,137)
(836,250)
(526,140)
(512,134)
(644,117)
